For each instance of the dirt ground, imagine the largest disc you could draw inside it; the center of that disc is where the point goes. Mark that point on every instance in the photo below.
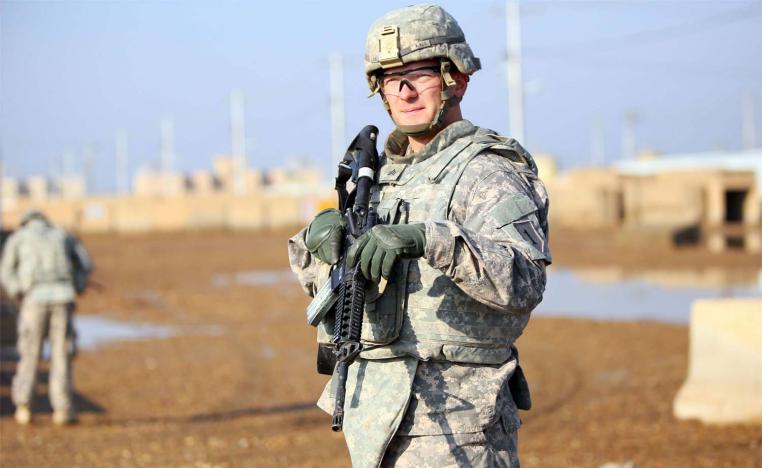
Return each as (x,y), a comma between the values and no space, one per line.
(242,393)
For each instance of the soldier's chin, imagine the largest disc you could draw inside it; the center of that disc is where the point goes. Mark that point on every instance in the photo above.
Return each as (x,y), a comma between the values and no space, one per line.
(411,122)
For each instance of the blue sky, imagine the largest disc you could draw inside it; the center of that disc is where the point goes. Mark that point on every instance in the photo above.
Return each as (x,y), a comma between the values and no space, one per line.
(72,73)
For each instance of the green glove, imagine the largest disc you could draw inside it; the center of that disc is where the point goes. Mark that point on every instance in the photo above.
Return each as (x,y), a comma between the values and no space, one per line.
(324,235)
(378,249)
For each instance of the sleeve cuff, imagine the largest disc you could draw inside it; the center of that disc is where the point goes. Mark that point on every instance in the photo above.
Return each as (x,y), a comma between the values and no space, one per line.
(440,245)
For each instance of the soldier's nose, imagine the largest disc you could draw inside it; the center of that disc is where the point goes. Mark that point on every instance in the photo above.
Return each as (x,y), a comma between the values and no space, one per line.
(407,89)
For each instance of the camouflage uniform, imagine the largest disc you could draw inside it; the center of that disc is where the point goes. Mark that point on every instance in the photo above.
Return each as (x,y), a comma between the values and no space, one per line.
(435,399)
(44,267)
(432,385)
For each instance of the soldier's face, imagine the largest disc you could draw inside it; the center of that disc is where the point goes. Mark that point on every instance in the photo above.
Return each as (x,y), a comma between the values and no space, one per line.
(413,92)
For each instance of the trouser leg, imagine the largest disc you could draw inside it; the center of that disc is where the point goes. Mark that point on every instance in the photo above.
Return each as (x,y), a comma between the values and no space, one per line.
(31,331)
(60,383)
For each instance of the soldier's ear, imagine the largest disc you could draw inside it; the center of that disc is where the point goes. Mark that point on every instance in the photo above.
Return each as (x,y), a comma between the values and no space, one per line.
(461,83)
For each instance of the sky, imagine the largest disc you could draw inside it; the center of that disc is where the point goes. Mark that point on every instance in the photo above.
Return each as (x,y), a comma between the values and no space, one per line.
(73,73)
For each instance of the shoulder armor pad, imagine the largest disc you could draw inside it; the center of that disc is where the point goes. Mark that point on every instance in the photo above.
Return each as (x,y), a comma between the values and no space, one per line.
(505,146)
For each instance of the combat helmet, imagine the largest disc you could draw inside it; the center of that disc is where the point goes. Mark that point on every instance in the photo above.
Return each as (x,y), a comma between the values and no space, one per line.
(31,214)
(412,34)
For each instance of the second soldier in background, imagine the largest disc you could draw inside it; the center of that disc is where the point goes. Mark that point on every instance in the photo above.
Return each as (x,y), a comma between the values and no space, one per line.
(44,268)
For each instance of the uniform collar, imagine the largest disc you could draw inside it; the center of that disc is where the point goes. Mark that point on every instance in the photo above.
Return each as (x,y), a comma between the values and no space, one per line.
(36,225)
(397,148)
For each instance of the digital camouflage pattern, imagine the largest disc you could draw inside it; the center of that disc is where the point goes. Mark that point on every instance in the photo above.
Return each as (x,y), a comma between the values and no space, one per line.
(35,320)
(378,394)
(45,268)
(490,246)
(433,308)
(476,393)
(496,446)
(423,32)
(44,264)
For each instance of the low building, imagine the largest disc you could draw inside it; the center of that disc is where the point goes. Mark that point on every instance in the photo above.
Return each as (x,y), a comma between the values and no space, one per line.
(159,184)
(713,199)
(71,187)
(175,201)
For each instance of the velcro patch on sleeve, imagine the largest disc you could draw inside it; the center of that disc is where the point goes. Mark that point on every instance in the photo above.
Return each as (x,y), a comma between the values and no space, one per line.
(514,207)
(530,234)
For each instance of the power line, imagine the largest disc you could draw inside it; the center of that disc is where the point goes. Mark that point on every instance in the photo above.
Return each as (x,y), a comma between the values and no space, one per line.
(655,66)
(654,35)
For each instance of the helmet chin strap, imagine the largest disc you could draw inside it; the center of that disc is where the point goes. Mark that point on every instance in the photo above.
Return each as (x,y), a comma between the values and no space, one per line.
(448,100)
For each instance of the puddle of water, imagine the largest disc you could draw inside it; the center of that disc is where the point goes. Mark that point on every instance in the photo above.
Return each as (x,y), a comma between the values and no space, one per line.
(608,294)
(255,278)
(94,331)
(266,352)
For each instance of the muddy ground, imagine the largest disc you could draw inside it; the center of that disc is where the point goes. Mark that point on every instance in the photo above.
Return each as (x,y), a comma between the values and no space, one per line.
(242,393)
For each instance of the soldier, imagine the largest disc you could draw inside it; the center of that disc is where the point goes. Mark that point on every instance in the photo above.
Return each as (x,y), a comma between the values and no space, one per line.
(463,249)
(44,268)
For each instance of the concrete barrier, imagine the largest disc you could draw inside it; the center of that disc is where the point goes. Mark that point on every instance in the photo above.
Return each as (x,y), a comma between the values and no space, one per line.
(724,384)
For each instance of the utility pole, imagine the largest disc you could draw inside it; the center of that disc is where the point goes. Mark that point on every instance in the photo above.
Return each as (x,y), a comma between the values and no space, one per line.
(167,144)
(515,77)
(54,170)
(167,152)
(68,162)
(628,135)
(598,143)
(122,162)
(238,140)
(748,121)
(336,80)
(88,165)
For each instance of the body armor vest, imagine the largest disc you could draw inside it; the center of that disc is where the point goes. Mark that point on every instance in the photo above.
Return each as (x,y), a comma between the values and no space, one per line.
(421,311)
(44,257)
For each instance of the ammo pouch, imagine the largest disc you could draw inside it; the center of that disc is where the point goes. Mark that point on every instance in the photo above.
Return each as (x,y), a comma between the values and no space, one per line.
(326,359)
(382,318)
(383,314)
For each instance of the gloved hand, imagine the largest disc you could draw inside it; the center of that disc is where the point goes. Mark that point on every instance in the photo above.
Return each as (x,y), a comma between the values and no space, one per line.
(325,234)
(378,249)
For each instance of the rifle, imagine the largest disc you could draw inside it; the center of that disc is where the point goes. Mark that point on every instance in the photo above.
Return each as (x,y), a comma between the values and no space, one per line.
(359,163)
(344,292)
(95,285)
